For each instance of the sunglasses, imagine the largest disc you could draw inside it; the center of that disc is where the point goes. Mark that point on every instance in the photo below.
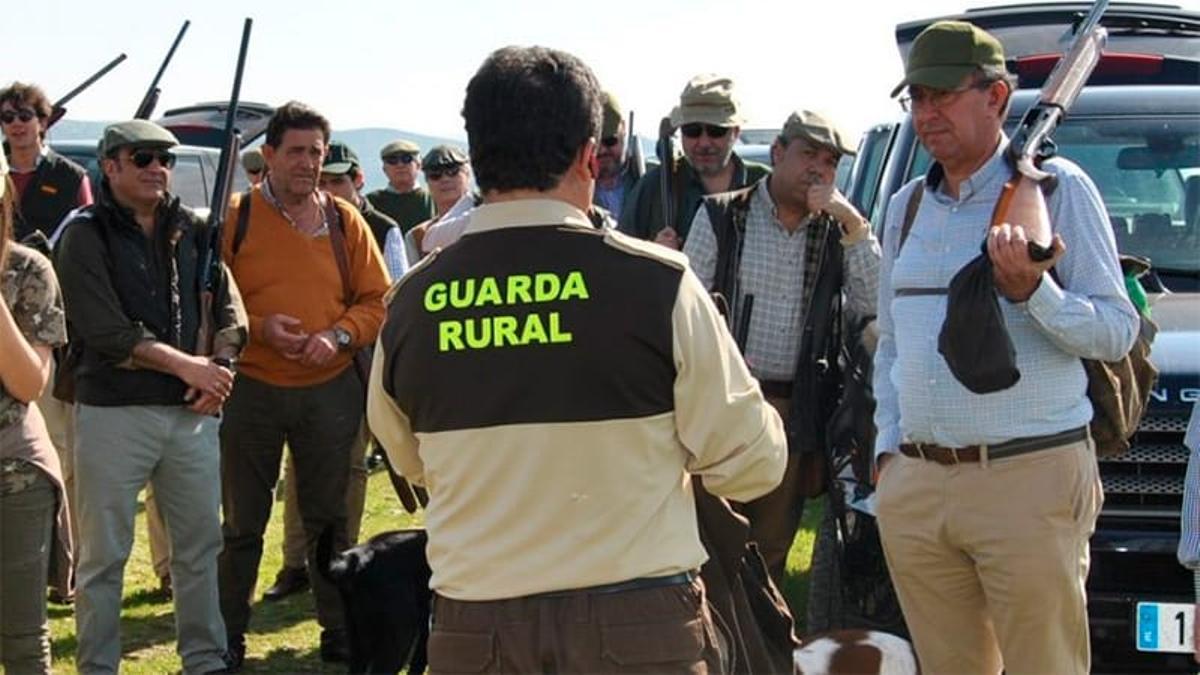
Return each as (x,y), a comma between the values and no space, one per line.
(10,116)
(253,172)
(142,158)
(399,159)
(694,129)
(448,172)
(609,141)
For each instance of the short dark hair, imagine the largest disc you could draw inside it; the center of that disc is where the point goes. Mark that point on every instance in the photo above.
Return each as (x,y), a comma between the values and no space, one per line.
(528,112)
(295,115)
(22,94)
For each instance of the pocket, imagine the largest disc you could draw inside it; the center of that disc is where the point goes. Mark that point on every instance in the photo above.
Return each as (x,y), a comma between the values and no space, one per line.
(460,652)
(654,643)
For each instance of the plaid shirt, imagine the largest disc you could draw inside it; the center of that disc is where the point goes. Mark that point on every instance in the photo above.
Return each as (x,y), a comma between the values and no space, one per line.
(778,268)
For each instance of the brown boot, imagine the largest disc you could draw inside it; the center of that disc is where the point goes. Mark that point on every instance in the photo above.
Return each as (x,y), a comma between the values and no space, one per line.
(289,581)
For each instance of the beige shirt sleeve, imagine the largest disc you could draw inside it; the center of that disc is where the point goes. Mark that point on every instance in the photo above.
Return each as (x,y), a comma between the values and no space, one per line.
(735,437)
(391,427)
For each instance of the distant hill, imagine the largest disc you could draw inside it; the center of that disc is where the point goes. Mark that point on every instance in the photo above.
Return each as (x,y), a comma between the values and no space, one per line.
(365,142)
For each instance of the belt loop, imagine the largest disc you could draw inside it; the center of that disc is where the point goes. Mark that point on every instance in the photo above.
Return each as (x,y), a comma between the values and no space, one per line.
(954,455)
(921,451)
(983,455)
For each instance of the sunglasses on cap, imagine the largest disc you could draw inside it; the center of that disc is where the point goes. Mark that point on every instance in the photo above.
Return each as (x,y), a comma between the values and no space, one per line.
(142,158)
(10,116)
(694,129)
(403,158)
(609,141)
(448,172)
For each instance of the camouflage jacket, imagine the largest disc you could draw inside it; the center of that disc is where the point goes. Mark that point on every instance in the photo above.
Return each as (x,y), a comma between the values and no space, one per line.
(30,292)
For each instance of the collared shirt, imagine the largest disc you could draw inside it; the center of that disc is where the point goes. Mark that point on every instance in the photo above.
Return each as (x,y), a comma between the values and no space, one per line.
(772,269)
(269,195)
(1189,536)
(395,255)
(1088,316)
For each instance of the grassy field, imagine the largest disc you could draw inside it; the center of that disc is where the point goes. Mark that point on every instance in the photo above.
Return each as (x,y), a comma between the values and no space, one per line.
(283,636)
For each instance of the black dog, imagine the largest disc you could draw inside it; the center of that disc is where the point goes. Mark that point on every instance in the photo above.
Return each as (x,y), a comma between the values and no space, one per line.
(384,585)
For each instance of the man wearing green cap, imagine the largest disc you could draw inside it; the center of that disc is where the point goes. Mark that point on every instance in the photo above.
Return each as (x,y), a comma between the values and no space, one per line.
(254,166)
(146,404)
(342,176)
(406,202)
(781,251)
(986,501)
(709,119)
(614,179)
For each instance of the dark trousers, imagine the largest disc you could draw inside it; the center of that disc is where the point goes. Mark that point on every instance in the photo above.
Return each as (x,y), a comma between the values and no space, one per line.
(655,630)
(319,423)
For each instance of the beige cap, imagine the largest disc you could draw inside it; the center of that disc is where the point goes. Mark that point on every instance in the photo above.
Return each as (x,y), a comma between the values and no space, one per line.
(818,129)
(399,147)
(708,99)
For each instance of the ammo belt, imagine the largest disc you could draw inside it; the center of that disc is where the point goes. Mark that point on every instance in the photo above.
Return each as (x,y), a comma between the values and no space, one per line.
(972,453)
(639,584)
(776,388)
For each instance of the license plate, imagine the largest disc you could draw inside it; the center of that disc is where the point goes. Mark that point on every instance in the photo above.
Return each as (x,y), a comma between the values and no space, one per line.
(1164,627)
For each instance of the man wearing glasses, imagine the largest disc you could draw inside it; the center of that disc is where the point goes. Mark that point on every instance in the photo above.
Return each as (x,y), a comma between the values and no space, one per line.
(614,179)
(402,199)
(709,120)
(147,405)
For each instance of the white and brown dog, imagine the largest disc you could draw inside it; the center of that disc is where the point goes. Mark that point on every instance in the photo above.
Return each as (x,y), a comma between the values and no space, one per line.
(855,652)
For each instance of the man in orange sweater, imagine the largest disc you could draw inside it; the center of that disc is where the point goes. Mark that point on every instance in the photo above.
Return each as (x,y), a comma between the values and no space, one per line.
(297,383)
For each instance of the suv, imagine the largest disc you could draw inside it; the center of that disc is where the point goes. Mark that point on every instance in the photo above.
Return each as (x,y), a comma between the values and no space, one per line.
(1135,129)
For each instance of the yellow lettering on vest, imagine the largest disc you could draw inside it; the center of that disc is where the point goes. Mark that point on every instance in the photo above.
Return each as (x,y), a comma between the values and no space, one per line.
(479,333)
(534,330)
(435,297)
(450,336)
(489,293)
(462,293)
(557,335)
(545,286)
(518,289)
(574,287)
(504,330)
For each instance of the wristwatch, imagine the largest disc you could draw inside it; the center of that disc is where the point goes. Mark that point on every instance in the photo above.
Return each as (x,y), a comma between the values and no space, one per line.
(342,337)
(225,362)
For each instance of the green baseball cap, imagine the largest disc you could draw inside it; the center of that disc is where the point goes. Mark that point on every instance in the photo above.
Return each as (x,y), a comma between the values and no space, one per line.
(946,52)
(443,155)
(399,147)
(339,159)
(818,129)
(253,161)
(612,115)
(707,99)
(140,133)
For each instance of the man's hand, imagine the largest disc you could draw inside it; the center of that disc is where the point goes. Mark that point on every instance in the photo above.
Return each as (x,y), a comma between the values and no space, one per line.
(1017,275)
(881,461)
(204,404)
(319,348)
(206,378)
(668,237)
(283,334)
(829,199)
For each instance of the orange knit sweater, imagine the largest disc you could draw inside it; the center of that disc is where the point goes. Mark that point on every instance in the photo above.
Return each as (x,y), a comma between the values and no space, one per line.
(281,271)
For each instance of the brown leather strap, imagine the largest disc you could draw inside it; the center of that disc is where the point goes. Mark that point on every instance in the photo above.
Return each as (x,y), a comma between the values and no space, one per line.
(337,239)
(910,215)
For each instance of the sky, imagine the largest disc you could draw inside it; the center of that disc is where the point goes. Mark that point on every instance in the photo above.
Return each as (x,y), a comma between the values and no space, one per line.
(391,63)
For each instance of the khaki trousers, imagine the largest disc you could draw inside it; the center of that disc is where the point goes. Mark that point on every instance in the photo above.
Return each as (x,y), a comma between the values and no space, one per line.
(294,541)
(989,561)
(60,424)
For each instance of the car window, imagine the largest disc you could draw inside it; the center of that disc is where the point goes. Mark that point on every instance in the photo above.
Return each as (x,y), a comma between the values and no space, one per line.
(188,182)
(867,170)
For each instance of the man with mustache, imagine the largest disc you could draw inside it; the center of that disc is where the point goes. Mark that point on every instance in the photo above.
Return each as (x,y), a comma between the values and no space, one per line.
(297,383)
(146,405)
(614,179)
(709,121)
(794,244)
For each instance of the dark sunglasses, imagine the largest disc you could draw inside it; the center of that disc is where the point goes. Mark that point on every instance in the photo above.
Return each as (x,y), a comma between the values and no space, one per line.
(10,116)
(694,129)
(142,158)
(609,141)
(405,158)
(253,172)
(448,172)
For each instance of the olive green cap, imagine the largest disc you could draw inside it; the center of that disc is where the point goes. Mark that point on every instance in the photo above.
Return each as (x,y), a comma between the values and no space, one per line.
(339,159)
(253,161)
(399,147)
(141,133)
(708,99)
(443,155)
(818,129)
(3,174)
(612,115)
(946,52)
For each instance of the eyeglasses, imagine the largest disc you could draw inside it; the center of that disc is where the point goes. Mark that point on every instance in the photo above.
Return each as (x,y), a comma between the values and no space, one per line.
(694,129)
(448,172)
(404,158)
(609,141)
(10,116)
(935,98)
(253,172)
(142,158)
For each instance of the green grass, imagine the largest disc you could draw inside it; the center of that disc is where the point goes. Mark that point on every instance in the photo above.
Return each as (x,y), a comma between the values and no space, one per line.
(284,635)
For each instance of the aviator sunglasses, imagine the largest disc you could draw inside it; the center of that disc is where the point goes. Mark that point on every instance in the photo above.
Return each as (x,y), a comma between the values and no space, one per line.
(399,159)
(10,116)
(142,158)
(448,172)
(694,129)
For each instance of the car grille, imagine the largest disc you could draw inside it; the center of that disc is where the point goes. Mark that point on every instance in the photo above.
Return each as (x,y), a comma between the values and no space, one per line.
(1150,474)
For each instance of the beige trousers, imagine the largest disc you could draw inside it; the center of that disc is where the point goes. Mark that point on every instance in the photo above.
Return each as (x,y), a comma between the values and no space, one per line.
(989,561)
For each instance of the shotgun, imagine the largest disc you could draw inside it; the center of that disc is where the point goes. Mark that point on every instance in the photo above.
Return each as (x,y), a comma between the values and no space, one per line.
(59,108)
(146,108)
(637,162)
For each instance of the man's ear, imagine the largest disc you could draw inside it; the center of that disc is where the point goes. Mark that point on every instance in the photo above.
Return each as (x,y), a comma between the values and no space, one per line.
(586,163)
(359,181)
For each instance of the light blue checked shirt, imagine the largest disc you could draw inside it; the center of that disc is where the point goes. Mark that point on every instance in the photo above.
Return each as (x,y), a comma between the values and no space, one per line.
(1189,535)
(395,257)
(1088,316)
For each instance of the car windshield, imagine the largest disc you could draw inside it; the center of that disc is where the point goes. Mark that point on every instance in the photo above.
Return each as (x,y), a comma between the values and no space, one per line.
(1148,173)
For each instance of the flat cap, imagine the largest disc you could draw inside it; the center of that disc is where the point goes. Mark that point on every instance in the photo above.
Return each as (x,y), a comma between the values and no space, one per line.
(399,147)
(613,114)
(708,99)
(141,133)
(252,160)
(818,129)
(444,155)
(946,52)
(339,159)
